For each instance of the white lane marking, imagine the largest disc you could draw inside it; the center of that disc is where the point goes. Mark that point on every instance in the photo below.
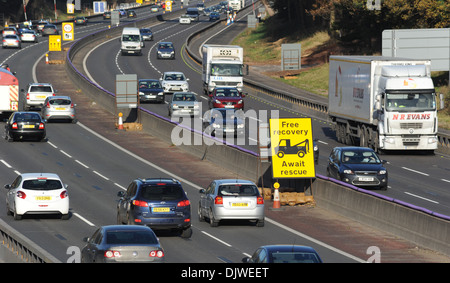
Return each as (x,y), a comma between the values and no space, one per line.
(415,171)
(314,240)
(104,177)
(81,163)
(83,219)
(421,197)
(6,164)
(65,153)
(215,238)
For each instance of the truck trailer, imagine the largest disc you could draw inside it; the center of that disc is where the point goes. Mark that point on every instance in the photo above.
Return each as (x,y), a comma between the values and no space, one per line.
(383,103)
(9,92)
(222,65)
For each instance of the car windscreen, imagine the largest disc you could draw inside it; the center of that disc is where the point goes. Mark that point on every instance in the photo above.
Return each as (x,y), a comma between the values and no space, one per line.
(130,237)
(161,192)
(27,117)
(360,157)
(238,190)
(42,184)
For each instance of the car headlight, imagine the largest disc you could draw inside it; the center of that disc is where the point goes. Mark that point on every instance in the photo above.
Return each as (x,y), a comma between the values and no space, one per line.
(382,172)
(160,93)
(240,126)
(196,106)
(241,101)
(141,93)
(174,106)
(186,85)
(216,125)
(348,171)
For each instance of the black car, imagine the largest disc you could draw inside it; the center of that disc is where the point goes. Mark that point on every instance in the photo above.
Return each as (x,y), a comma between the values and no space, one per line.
(159,203)
(119,243)
(25,125)
(359,166)
(80,20)
(131,14)
(284,254)
(150,90)
(165,50)
(107,15)
(146,33)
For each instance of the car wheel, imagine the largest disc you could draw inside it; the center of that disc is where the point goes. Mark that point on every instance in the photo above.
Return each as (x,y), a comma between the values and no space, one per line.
(260,223)
(212,221)
(17,216)
(186,233)
(201,218)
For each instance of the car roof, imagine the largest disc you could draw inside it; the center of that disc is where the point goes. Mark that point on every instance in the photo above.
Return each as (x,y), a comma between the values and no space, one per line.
(34,84)
(27,176)
(355,148)
(59,97)
(288,248)
(126,228)
(233,181)
(148,80)
(165,42)
(159,180)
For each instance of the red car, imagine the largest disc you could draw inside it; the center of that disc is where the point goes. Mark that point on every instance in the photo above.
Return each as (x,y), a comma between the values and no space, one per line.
(226,97)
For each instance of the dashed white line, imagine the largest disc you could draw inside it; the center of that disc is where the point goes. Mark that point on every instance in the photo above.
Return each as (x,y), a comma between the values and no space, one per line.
(81,163)
(65,153)
(6,164)
(418,172)
(104,177)
(421,197)
(217,239)
(84,219)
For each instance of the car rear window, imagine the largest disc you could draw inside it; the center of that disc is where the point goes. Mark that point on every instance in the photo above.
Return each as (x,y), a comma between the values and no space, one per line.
(59,102)
(42,184)
(40,89)
(25,117)
(161,192)
(130,237)
(238,190)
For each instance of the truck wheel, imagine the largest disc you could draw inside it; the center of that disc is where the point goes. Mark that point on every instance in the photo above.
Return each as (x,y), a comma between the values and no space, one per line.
(280,154)
(301,154)
(363,136)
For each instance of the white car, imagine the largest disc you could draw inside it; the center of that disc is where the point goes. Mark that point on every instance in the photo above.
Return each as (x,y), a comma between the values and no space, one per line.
(185,19)
(174,82)
(37,193)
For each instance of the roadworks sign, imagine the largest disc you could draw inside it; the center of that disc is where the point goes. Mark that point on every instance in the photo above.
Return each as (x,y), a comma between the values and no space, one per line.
(292,148)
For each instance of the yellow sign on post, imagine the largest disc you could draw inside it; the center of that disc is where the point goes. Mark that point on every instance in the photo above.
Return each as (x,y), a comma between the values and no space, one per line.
(292,148)
(54,43)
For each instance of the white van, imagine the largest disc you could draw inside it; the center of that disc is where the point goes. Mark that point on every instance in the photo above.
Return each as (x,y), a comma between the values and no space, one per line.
(131,41)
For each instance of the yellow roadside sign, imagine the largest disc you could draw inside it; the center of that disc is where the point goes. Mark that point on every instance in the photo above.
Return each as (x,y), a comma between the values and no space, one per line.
(54,43)
(292,148)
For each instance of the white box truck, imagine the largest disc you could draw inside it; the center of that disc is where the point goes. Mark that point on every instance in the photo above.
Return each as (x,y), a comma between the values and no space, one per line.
(222,66)
(9,92)
(236,4)
(382,102)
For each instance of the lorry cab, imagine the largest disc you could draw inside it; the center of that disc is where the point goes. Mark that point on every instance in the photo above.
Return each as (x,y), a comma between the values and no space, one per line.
(131,41)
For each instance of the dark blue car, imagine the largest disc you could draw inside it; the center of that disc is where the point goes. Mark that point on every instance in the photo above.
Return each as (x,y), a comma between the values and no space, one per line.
(359,166)
(159,203)
(284,254)
(165,50)
(214,16)
(150,90)
(220,122)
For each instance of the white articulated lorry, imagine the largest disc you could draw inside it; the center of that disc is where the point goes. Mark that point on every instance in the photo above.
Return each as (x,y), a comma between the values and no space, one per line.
(236,4)
(382,102)
(222,66)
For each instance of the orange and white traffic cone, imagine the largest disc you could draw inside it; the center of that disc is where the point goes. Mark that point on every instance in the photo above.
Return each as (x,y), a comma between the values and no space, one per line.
(276,198)
(46,58)
(120,124)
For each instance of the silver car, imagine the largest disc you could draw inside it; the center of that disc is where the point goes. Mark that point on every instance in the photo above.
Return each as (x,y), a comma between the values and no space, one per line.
(58,108)
(122,243)
(231,199)
(174,82)
(184,104)
(11,41)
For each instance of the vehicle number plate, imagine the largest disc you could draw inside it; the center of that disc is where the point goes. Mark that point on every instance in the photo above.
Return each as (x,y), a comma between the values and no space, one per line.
(366,179)
(161,209)
(43,198)
(229,106)
(239,204)
(28,126)
(41,96)
(60,108)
